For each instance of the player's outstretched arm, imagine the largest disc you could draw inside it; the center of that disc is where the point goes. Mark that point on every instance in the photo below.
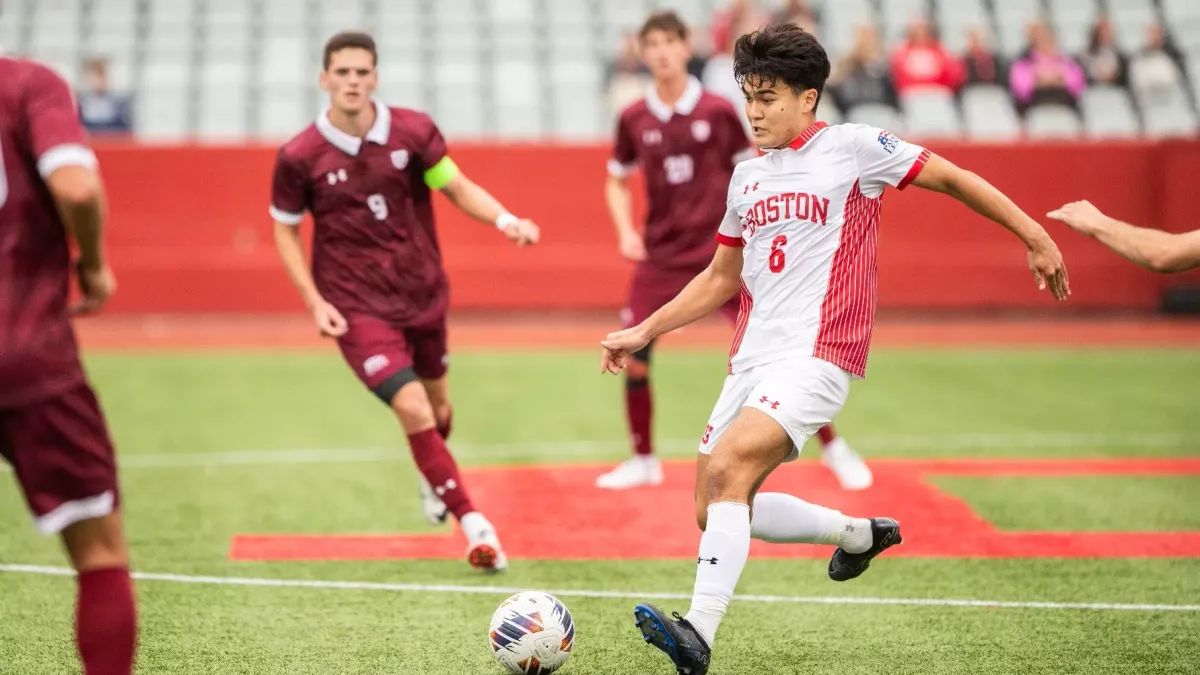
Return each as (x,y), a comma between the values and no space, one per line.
(329,320)
(712,288)
(1045,261)
(478,203)
(1155,250)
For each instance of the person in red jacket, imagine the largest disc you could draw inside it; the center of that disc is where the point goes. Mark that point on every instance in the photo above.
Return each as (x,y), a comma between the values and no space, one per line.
(922,61)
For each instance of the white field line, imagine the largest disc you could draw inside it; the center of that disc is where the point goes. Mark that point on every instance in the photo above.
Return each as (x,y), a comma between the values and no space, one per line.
(598,594)
(565,450)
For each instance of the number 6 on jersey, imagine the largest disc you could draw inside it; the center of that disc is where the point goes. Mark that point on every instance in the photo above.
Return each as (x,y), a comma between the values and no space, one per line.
(777,259)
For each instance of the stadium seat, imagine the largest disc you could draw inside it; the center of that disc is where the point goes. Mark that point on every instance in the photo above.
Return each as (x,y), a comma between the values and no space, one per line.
(840,20)
(897,15)
(988,114)
(1130,19)
(1012,20)
(828,113)
(956,19)
(1168,114)
(283,112)
(162,112)
(1108,113)
(334,17)
(930,113)
(1072,21)
(1052,122)
(882,116)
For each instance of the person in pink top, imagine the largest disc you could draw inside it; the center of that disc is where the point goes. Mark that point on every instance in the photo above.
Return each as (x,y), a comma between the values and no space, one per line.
(1045,75)
(922,61)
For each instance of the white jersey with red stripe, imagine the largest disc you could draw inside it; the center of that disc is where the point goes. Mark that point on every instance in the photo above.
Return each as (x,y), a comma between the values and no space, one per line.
(808,219)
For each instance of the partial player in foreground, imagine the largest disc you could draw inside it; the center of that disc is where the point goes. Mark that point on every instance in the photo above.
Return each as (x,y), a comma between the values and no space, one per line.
(686,142)
(52,430)
(366,172)
(1158,251)
(799,239)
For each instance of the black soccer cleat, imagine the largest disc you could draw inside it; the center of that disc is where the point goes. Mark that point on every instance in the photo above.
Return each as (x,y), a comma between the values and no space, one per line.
(843,566)
(675,637)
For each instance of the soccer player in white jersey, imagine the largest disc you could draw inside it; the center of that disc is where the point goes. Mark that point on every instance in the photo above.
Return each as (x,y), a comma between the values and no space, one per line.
(799,241)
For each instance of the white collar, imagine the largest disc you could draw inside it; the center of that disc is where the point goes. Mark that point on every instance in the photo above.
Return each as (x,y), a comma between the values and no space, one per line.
(378,133)
(684,106)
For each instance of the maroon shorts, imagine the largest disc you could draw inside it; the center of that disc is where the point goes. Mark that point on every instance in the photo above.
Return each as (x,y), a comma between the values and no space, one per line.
(63,457)
(652,288)
(379,351)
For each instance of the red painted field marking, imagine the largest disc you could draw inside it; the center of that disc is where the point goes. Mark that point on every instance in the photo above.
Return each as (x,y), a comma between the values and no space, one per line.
(560,515)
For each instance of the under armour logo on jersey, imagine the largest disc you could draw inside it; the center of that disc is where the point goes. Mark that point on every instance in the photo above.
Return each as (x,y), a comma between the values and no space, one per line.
(442,489)
(710,561)
(335,177)
(750,188)
(652,137)
(774,404)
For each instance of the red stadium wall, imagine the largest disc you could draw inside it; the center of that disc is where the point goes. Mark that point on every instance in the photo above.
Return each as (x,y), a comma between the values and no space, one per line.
(190,232)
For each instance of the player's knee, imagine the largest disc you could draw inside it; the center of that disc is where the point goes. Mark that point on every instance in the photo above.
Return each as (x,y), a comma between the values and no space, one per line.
(96,543)
(412,407)
(727,478)
(441,413)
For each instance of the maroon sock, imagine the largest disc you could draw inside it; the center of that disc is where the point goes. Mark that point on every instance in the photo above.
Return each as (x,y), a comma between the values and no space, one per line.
(443,427)
(826,434)
(106,622)
(639,409)
(436,463)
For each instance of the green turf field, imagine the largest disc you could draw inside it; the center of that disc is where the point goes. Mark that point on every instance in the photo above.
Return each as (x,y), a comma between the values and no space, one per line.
(221,444)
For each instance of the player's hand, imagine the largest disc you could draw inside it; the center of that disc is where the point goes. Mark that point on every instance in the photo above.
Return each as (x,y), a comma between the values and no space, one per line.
(97,284)
(524,232)
(632,246)
(329,320)
(1048,269)
(1081,217)
(618,346)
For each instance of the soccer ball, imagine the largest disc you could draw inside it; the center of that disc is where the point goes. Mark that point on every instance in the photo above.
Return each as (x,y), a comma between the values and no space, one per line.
(532,633)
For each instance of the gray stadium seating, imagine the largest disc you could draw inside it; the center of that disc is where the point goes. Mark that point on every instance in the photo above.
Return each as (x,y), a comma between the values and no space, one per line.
(1108,113)
(232,70)
(1052,122)
(931,113)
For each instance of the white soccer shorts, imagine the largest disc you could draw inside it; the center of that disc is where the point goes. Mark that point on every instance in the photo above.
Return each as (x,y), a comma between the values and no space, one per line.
(801,393)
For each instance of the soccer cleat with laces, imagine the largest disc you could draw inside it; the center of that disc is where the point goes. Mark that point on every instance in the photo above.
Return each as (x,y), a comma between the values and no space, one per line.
(844,566)
(675,637)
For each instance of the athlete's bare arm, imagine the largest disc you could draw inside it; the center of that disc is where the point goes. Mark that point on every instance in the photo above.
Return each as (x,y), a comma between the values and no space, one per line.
(619,200)
(1155,250)
(78,194)
(291,251)
(1045,261)
(709,290)
(478,203)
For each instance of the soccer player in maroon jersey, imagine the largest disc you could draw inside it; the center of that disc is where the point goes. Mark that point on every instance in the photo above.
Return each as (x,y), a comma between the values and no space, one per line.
(366,172)
(52,430)
(686,142)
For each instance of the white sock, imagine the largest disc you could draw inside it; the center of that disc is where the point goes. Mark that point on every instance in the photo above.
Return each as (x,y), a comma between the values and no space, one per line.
(783,519)
(724,547)
(473,524)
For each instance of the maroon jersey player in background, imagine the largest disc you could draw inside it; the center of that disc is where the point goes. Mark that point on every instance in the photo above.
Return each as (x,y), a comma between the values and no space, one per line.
(686,142)
(366,173)
(52,430)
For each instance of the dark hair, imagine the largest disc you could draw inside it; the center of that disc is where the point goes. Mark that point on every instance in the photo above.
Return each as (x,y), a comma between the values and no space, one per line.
(782,52)
(668,22)
(350,39)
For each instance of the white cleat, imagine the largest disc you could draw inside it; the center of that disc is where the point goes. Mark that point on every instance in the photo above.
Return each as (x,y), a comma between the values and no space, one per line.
(633,472)
(434,508)
(849,469)
(483,546)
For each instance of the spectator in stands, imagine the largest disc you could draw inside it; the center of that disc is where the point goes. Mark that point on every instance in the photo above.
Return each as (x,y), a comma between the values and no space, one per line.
(1045,76)
(1103,61)
(102,110)
(800,13)
(1158,68)
(980,64)
(922,61)
(627,76)
(861,76)
(742,16)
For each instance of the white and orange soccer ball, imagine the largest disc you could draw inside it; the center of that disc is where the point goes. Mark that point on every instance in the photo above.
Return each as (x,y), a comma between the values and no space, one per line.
(532,633)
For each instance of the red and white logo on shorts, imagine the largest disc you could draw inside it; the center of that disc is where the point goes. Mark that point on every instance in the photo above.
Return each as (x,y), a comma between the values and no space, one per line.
(375,364)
